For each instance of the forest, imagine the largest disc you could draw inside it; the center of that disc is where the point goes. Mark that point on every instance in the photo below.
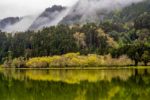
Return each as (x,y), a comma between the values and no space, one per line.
(113,37)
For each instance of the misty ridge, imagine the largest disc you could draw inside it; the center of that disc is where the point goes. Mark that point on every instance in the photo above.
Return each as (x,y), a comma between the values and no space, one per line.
(82,11)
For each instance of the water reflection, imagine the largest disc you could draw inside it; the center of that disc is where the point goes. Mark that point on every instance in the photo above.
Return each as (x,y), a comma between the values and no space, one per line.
(125,84)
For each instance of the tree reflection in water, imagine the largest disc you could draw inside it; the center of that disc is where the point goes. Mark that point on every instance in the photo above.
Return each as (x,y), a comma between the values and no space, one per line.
(130,84)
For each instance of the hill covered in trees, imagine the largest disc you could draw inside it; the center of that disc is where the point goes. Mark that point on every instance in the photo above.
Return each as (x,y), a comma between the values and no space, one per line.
(84,11)
(121,32)
(86,39)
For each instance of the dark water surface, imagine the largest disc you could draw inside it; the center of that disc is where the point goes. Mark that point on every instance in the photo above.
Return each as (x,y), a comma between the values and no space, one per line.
(121,84)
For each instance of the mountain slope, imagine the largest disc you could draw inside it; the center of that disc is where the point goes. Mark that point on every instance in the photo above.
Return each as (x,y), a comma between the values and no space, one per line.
(97,10)
(48,17)
(8,22)
(84,11)
(130,13)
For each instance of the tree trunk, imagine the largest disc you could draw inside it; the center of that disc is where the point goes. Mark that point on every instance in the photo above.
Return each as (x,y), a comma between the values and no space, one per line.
(145,63)
(136,63)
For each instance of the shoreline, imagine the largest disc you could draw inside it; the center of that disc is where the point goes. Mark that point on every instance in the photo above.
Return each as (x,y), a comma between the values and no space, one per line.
(81,68)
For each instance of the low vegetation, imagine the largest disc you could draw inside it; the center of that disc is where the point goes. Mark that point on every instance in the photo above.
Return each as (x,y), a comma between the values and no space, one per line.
(70,60)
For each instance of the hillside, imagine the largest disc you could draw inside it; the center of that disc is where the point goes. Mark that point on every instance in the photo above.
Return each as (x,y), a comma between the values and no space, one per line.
(84,11)
(48,17)
(8,22)
(130,13)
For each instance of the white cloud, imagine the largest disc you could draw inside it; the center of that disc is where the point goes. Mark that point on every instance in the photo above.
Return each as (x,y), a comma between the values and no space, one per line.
(28,7)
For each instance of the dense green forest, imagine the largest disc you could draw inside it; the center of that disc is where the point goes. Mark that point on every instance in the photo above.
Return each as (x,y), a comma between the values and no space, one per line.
(111,36)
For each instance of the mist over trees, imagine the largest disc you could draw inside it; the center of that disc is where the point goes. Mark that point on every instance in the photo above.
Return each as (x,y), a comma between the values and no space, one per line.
(86,39)
(82,11)
(125,32)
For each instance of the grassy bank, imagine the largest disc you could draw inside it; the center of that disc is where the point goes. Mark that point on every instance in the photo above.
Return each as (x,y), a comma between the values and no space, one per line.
(69,60)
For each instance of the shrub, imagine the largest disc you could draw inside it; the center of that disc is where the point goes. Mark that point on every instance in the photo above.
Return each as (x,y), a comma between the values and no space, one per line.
(18,62)
(77,60)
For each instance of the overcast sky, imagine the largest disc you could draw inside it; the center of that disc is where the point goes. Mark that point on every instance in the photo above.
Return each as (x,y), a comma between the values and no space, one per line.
(28,7)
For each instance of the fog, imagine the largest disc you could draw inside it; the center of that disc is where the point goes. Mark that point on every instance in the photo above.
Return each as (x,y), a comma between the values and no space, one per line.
(21,8)
(88,9)
(56,20)
(22,25)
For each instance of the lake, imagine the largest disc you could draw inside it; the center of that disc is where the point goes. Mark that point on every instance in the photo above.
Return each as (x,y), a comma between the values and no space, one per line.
(115,84)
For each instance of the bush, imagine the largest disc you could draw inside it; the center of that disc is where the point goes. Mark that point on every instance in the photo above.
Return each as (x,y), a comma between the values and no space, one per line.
(77,60)
(18,62)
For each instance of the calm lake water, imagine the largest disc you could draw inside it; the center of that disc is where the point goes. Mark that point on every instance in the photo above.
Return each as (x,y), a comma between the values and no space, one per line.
(121,84)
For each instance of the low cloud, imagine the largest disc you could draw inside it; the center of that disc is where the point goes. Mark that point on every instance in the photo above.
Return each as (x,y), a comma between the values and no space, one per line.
(15,8)
(87,9)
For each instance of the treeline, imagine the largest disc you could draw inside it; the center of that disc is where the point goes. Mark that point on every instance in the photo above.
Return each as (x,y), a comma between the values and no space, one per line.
(57,40)
(108,37)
